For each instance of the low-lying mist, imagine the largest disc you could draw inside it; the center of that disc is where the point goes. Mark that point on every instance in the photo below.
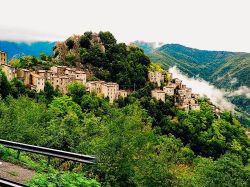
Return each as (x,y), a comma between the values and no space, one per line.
(205,89)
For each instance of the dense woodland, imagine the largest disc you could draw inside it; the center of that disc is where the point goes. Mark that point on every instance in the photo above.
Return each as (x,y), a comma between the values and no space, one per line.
(138,141)
(225,70)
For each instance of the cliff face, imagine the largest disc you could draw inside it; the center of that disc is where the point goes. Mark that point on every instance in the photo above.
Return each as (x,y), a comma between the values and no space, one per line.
(71,47)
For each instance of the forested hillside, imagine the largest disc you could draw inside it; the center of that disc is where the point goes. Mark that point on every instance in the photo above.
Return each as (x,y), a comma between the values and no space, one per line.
(218,67)
(138,141)
(18,49)
(227,70)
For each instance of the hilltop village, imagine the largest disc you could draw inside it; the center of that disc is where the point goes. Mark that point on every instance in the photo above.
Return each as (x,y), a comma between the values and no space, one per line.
(184,98)
(61,76)
(155,121)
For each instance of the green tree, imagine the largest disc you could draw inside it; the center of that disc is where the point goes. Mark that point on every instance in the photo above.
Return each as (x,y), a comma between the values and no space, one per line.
(88,34)
(107,39)
(43,56)
(50,92)
(96,56)
(5,87)
(61,106)
(23,120)
(84,55)
(226,171)
(76,90)
(70,43)
(85,42)
(128,151)
(17,88)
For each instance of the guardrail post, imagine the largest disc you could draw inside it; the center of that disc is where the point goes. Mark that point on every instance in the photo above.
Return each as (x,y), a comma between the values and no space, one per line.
(18,154)
(48,161)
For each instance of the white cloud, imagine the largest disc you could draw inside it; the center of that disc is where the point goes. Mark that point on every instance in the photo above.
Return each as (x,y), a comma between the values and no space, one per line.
(28,36)
(243,90)
(202,87)
(207,24)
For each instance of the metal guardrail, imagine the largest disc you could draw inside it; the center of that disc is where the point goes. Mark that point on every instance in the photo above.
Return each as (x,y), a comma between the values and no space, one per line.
(48,152)
(8,183)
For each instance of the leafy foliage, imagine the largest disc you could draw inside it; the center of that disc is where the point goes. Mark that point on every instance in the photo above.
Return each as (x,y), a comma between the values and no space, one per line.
(32,62)
(227,70)
(62,179)
(110,61)
(138,141)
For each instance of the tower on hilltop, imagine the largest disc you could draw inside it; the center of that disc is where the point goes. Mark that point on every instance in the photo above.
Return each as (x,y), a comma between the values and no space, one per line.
(3,57)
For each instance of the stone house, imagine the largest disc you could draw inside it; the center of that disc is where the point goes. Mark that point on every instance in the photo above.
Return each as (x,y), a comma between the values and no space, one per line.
(80,76)
(188,92)
(24,75)
(170,75)
(195,107)
(110,90)
(94,86)
(192,101)
(61,76)
(106,89)
(122,93)
(3,57)
(169,90)
(182,92)
(184,107)
(37,82)
(196,96)
(9,71)
(178,82)
(159,95)
(156,77)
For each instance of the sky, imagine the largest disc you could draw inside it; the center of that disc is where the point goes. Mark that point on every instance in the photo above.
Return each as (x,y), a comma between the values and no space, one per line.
(203,24)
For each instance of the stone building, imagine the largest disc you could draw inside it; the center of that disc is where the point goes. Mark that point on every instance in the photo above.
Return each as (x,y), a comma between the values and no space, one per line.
(185,107)
(61,76)
(105,89)
(122,93)
(188,92)
(110,90)
(80,76)
(9,71)
(169,89)
(178,82)
(94,86)
(24,75)
(170,75)
(181,92)
(37,82)
(3,58)
(156,77)
(195,107)
(158,94)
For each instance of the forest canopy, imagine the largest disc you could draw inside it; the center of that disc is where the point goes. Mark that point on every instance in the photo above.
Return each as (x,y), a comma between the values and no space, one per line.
(138,141)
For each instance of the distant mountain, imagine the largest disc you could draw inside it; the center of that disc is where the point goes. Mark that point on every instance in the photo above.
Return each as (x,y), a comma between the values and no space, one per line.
(217,67)
(148,47)
(17,49)
(227,70)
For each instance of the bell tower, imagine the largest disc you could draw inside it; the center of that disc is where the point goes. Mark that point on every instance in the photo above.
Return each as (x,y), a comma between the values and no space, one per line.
(3,57)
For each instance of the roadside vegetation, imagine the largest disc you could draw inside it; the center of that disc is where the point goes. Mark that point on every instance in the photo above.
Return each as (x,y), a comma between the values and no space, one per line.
(138,141)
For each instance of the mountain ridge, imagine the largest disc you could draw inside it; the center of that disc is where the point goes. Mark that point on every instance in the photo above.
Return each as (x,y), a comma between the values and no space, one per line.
(225,70)
(18,49)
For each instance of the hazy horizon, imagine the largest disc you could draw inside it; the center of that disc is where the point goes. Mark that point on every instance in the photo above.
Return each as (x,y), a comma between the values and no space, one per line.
(207,25)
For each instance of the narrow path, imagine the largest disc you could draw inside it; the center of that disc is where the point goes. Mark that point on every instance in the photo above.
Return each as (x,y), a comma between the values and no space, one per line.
(14,172)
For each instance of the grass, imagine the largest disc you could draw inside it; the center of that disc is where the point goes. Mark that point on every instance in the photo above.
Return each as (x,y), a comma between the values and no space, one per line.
(13,173)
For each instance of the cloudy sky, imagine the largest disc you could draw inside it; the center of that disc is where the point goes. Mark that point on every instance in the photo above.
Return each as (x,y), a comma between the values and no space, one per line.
(204,24)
